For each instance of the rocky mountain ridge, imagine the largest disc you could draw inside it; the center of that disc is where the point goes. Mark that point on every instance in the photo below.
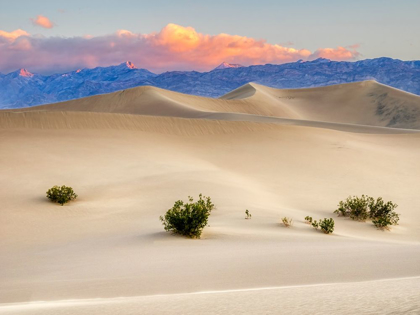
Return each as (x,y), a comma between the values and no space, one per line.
(23,88)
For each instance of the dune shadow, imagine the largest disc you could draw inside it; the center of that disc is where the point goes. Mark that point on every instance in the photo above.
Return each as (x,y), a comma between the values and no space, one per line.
(41,199)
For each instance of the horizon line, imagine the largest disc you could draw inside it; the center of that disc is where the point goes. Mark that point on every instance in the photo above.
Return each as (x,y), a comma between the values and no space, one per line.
(241,66)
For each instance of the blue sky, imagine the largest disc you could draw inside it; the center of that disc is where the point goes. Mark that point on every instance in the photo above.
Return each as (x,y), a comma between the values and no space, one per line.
(381,28)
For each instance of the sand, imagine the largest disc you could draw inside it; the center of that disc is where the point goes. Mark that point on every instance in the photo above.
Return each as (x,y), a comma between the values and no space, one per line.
(129,155)
(385,297)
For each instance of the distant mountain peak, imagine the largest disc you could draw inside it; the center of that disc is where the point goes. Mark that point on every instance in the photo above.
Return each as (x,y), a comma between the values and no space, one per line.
(129,65)
(25,73)
(320,60)
(225,65)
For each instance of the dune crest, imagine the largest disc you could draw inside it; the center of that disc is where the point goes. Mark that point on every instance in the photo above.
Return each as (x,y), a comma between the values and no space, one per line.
(362,103)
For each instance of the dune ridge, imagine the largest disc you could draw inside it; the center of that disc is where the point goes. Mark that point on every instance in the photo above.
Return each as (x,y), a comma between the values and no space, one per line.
(362,103)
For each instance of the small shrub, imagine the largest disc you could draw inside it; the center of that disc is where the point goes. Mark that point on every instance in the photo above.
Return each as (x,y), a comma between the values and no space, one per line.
(382,214)
(61,194)
(327,225)
(354,207)
(190,218)
(287,221)
(308,219)
(248,214)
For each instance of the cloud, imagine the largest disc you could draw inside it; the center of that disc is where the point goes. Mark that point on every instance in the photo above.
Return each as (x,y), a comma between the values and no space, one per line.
(339,53)
(11,36)
(42,21)
(173,48)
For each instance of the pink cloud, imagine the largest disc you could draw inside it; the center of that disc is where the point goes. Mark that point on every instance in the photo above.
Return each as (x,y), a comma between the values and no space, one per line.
(173,48)
(11,36)
(42,21)
(339,53)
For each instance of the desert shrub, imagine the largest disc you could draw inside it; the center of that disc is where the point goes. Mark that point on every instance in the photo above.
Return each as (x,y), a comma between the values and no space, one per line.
(382,223)
(308,219)
(354,207)
(190,218)
(61,194)
(379,209)
(248,214)
(327,225)
(382,213)
(287,221)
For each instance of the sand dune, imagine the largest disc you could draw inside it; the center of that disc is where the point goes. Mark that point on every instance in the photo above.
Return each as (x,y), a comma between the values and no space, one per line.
(362,103)
(129,155)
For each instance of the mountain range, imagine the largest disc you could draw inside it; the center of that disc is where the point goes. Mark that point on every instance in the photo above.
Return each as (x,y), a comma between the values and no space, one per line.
(22,88)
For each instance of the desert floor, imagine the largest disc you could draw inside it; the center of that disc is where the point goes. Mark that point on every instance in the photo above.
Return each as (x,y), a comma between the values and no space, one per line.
(107,252)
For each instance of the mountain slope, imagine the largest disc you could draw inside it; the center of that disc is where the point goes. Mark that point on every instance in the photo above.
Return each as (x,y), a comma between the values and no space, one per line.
(36,90)
(20,88)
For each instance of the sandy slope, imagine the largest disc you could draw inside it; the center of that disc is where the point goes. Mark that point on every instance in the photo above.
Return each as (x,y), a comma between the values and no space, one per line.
(129,168)
(362,103)
(399,296)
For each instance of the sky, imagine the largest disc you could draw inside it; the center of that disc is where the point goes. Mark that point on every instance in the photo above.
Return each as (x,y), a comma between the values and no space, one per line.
(57,36)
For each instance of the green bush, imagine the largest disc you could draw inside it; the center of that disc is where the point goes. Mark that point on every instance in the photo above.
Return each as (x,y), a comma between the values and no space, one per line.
(327,225)
(382,209)
(382,213)
(354,207)
(248,214)
(190,218)
(61,194)
(308,219)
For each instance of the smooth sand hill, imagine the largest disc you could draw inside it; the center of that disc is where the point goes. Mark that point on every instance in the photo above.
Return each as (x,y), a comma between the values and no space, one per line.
(362,103)
(107,252)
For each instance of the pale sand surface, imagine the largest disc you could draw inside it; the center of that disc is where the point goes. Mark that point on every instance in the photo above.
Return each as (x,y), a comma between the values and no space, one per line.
(397,296)
(128,169)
